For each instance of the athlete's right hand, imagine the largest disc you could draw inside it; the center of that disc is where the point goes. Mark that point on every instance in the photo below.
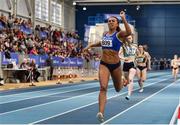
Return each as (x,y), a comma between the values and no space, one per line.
(122,14)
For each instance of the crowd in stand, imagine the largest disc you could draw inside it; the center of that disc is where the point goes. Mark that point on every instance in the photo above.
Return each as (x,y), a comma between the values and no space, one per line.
(18,35)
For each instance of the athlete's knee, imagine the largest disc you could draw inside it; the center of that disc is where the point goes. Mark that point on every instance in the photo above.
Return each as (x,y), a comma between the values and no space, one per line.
(103,88)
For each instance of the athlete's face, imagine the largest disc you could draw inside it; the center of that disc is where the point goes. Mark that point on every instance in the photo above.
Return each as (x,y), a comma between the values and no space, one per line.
(140,48)
(129,39)
(112,23)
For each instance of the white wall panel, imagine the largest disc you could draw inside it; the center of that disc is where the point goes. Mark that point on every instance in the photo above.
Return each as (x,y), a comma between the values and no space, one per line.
(4,5)
(69,17)
(22,8)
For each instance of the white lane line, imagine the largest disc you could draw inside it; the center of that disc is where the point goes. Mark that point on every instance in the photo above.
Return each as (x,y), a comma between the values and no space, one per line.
(174,117)
(48,89)
(136,104)
(50,102)
(91,104)
(44,95)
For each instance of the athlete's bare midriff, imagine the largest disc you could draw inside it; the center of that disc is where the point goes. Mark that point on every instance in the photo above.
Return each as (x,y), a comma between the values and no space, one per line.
(141,64)
(110,56)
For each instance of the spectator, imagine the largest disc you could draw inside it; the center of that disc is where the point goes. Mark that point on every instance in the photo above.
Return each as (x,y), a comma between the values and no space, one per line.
(49,63)
(34,70)
(162,64)
(24,65)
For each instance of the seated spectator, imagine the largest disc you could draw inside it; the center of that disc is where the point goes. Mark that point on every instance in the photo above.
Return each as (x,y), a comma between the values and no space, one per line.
(25,65)
(34,70)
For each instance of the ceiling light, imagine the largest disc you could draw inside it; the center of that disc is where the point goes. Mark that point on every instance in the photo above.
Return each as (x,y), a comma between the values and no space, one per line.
(137,7)
(74,3)
(84,8)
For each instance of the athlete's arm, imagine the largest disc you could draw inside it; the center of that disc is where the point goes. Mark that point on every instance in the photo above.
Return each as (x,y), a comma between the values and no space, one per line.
(121,54)
(172,62)
(98,44)
(136,55)
(127,27)
(146,58)
(149,60)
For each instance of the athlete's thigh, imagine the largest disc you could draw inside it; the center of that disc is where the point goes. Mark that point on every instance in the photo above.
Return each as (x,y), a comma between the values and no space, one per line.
(177,71)
(138,72)
(117,78)
(144,74)
(132,73)
(103,76)
(126,75)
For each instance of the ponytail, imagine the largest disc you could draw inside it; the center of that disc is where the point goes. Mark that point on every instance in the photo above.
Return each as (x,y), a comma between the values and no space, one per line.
(118,29)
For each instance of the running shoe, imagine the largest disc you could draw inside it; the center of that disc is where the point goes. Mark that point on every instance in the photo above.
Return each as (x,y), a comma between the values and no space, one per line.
(100,117)
(141,90)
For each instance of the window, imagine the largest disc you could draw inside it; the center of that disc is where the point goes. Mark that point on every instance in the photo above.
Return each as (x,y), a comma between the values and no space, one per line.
(56,11)
(41,9)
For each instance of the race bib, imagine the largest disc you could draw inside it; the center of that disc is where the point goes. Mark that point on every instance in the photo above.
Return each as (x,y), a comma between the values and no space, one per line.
(131,51)
(107,43)
(140,60)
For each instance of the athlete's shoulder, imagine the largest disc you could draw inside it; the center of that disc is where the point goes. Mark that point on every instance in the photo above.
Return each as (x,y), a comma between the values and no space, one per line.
(146,53)
(119,38)
(134,45)
(106,32)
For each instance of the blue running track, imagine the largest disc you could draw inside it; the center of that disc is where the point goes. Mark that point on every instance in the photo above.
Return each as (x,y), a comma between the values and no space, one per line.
(77,103)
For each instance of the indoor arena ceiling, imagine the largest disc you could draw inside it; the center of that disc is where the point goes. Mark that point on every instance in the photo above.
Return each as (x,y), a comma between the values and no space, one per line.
(116,2)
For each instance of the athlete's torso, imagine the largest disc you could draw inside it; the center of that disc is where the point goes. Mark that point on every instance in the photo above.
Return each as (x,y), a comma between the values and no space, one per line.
(141,59)
(175,63)
(129,52)
(111,46)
